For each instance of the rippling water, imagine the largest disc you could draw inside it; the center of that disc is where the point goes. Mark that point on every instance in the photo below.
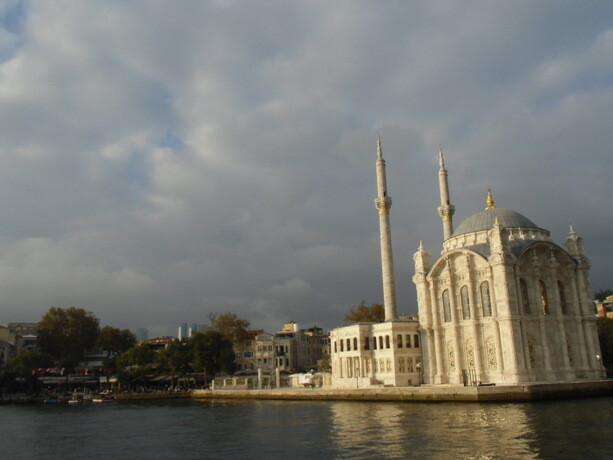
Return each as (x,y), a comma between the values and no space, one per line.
(184,429)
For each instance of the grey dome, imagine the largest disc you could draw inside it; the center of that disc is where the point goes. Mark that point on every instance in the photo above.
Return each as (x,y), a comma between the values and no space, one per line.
(484,220)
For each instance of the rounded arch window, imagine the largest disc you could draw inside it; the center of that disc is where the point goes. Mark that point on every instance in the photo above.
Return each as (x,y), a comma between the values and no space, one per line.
(465,302)
(446,306)
(485,299)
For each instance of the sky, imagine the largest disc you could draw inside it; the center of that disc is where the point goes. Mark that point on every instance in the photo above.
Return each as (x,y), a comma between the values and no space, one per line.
(161,161)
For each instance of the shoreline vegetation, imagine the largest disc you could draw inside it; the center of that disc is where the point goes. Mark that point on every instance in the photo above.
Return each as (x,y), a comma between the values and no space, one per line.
(532,392)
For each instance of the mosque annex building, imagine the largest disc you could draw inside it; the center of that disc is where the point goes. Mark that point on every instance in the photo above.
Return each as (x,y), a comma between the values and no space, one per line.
(503,304)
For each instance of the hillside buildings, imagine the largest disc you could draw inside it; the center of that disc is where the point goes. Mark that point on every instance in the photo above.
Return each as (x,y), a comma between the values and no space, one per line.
(291,349)
(503,304)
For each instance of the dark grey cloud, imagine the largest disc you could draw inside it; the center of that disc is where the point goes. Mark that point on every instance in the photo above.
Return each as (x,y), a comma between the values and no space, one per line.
(160,162)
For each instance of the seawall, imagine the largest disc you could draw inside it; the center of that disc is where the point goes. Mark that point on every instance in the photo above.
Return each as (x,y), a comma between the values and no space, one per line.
(530,392)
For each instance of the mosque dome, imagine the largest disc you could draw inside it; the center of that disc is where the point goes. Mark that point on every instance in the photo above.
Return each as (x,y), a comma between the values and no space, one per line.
(485,219)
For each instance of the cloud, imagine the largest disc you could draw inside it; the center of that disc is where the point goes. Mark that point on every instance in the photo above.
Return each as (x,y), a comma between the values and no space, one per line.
(163,162)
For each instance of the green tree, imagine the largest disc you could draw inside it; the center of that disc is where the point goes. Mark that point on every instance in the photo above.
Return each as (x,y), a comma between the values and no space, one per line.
(229,325)
(374,313)
(175,358)
(212,353)
(25,363)
(133,364)
(65,334)
(115,341)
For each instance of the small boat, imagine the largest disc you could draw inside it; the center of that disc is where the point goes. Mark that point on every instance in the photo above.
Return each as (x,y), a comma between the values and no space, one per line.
(104,397)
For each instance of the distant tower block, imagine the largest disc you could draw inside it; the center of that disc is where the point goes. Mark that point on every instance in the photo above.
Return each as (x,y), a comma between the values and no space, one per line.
(383,203)
(446,209)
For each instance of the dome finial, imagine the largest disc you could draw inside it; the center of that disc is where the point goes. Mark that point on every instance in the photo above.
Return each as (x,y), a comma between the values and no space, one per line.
(490,200)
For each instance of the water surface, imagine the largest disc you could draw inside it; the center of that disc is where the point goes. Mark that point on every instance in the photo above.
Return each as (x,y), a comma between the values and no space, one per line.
(231,429)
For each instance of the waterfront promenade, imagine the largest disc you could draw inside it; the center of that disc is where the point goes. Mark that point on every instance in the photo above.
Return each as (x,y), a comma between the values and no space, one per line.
(424,393)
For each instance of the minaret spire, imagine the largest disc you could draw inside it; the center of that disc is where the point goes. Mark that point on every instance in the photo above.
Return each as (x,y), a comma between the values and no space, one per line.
(383,203)
(446,209)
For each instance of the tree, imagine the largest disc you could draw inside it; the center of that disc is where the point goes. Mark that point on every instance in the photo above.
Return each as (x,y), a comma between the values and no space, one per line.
(374,313)
(229,325)
(25,363)
(324,364)
(133,364)
(65,334)
(603,294)
(212,353)
(115,341)
(175,358)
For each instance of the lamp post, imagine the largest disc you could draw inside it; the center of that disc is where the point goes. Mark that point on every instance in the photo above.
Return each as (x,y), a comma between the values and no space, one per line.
(418,366)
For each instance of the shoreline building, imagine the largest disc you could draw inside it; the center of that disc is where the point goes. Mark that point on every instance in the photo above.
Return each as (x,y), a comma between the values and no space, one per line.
(503,304)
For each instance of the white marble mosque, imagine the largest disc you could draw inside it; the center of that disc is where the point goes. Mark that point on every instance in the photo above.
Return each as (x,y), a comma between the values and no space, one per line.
(503,304)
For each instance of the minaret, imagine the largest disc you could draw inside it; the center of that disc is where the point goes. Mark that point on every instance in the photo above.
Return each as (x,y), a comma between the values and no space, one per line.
(446,209)
(383,203)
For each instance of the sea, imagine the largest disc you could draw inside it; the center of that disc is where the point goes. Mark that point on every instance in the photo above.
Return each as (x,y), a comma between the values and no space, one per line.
(251,429)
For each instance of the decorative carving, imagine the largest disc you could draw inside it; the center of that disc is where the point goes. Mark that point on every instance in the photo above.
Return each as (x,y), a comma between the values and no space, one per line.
(450,356)
(531,352)
(446,212)
(490,347)
(383,204)
(470,354)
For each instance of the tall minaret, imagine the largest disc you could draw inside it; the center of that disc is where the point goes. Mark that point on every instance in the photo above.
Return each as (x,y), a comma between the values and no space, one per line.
(383,203)
(446,209)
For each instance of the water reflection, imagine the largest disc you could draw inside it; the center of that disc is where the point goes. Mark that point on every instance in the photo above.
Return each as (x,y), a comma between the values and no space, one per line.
(479,431)
(309,429)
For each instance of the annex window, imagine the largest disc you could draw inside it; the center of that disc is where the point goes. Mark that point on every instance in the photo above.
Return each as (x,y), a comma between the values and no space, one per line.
(485,299)
(355,343)
(387,341)
(335,350)
(407,340)
(544,301)
(366,343)
(381,342)
(341,342)
(399,340)
(465,302)
(446,306)
(416,340)
(348,344)
(524,295)
(374,343)
(562,298)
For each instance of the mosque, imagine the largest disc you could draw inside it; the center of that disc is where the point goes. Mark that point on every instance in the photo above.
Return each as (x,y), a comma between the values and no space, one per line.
(502,305)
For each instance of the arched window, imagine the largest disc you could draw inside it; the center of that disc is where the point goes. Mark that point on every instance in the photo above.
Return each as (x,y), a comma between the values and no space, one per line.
(399,340)
(341,342)
(485,299)
(366,343)
(416,340)
(544,301)
(407,340)
(524,295)
(374,343)
(446,307)
(381,342)
(387,341)
(562,298)
(465,302)
(348,344)
(355,343)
